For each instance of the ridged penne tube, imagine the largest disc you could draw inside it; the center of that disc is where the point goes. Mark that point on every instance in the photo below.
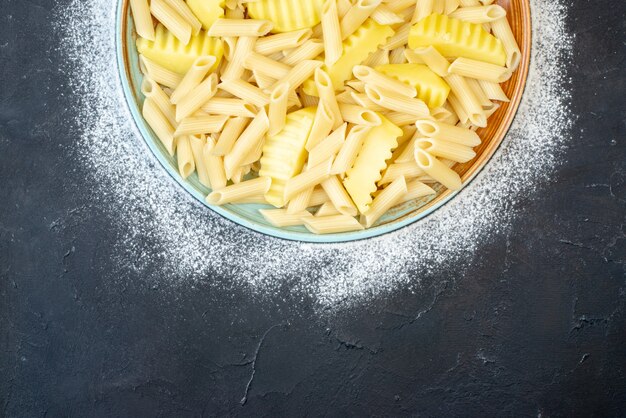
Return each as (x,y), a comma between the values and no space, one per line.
(150,89)
(231,131)
(493,110)
(434,60)
(438,130)
(374,78)
(278,108)
(457,106)
(309,101)
(301,72)
(307,51)
(307,179)
(342,7)
(350,149)
(359,115)
(346,98)
(361,99)
(180,7)
(198,96)
(175,23)
(467,98)
(247,142)
(437,170)
(479,14)
(441,114)
(469,3)
(445,149)
(245,91)
(493,91)
(240,27)
(159,124)
(397,56)
(423,8)
(439,6)
(399,5)
(451,6)
(326,94)
(400,38)
(229,107)
(388,198)
(479,93)
(327,209)
(401,119)
(267,66)
(281,217)
(356,15)
(282,41)
(198,143)
(333,47)
(404,153)
(396,102)
(356,85)
(184,157)
(142,18)
(502,30)
(332,224)
(234,13)
(407,170)
(235,67)
(263,81)
(322,125)
(338,196)
(237,192)
(416,189)
(486,2)
(328,147)
(318,197)
(383,15)
(300,201)
(214,166)
(193,77)
(229,43)
(479,70)
(254,154)
(161,75)
(205,124)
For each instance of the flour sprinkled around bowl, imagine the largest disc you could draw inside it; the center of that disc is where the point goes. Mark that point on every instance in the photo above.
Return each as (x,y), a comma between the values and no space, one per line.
(189,243)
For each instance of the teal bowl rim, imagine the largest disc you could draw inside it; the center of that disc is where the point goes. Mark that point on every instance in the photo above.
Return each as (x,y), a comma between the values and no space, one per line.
(264,229)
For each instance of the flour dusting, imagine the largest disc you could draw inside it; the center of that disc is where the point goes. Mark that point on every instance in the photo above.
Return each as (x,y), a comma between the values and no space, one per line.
(190,243)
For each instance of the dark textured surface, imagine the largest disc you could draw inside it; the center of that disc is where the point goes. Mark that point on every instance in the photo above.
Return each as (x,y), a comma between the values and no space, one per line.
(536,327)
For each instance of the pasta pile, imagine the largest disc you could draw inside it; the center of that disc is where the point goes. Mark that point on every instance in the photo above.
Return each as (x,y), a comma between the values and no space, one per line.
(331,111)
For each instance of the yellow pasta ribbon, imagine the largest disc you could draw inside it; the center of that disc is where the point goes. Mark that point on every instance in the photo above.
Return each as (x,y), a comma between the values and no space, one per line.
(360,181)
(431,88)
(287,15)
(284,153)
(457,38)
(169,52)
(356,48)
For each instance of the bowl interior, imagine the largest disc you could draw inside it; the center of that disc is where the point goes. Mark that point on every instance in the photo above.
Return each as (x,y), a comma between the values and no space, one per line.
(247,215)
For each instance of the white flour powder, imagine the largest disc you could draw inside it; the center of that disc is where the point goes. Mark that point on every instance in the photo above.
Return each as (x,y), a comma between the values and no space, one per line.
(189,243)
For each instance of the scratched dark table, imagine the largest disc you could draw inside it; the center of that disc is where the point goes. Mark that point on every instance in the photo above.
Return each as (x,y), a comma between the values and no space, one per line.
(537,327)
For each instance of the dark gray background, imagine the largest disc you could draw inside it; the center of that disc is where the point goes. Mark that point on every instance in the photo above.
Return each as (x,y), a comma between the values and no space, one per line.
(537,327)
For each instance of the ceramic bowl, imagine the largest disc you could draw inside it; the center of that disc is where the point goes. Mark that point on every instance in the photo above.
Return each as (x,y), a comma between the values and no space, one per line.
(247,215)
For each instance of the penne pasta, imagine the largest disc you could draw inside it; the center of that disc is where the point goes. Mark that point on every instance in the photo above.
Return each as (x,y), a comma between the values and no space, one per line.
(438,130)
(350,149)
(142,18)
(196,125)
(197,97)
(235,67)
(359,115)
(245,91)
(199,69)
(479,14)
(153,91)
(383,15)
(502,30)
(159,124)
(278,108)
(416,189)
(493,91)
(247,142)
(407,170)
(332,224)
(318,197)
(376,79)
(328,147)
(282,41)
(180,7)
(433,59)
(186,163)
(266,66)
(307,51)
(445,149)
(175,23)
(338,196)
(333,47)
(326,94)
(300,201)
(396,102)
(240,27)
(451,6)
(231,131)
(161,75)
(307,179)
(423,8)
(229,107)
(388,198)
(437,169)
(301,72)
(356,16)
(282,218)
(322,125)
(214,166)
(327,209)
(467,99)
(479,70)
(237,192)
(198,142)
